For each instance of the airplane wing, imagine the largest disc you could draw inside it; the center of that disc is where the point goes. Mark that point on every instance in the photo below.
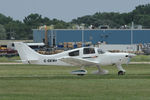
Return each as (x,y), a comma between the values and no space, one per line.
(78,61)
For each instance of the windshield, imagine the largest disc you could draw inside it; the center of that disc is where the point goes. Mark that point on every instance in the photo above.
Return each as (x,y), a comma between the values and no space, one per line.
(100,51)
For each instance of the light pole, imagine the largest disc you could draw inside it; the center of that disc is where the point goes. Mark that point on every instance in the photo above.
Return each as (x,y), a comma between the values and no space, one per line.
(82,35)
(132,27)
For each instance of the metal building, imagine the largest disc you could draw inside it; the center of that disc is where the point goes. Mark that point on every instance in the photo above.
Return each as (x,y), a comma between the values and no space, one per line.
(110,36)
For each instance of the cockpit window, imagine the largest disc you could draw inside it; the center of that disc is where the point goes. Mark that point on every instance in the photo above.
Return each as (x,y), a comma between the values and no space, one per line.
(100,51)
(88,51)
(74,53)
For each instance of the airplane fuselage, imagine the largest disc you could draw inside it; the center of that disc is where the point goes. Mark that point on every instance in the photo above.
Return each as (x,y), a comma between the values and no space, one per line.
(105,58)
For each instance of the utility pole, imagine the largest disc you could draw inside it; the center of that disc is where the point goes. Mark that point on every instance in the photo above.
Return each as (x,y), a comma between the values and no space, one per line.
(82,35)
(46,38)
(132,27)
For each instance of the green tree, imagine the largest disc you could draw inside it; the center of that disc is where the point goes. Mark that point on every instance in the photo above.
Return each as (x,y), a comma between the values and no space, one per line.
(2,32)
(33,20)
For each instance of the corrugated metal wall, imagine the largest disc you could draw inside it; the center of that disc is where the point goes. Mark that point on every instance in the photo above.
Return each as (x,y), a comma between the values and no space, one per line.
(110,36)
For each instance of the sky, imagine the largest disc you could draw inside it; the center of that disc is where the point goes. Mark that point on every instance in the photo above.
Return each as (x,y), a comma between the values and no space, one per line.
(65,9)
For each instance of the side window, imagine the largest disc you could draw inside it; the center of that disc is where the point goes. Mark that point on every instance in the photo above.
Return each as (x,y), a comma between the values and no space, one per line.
(74,53)
(100,51)
(88,51)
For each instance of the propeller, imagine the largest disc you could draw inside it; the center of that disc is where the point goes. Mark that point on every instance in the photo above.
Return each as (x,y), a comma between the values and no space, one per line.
(130,55)
(129,59)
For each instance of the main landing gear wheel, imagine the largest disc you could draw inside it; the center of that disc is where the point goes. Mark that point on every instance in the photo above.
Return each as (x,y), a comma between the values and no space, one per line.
(121,73)
(80,74)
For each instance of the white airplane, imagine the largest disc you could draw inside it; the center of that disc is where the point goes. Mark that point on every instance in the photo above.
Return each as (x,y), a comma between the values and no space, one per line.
(82,57)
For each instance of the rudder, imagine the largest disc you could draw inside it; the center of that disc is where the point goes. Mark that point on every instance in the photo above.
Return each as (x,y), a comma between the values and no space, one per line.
(25,52)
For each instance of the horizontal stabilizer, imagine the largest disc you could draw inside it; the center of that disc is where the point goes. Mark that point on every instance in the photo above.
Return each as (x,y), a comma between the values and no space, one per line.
(26,61)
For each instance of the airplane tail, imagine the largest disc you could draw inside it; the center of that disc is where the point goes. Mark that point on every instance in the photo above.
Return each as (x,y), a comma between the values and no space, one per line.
(26,53)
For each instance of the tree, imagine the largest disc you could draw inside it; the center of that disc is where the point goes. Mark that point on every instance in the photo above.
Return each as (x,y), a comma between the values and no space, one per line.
(4,20)
(2,32)
(33,20)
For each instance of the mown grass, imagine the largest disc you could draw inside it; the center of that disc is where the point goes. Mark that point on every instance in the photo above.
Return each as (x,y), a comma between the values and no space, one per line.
(9,59)
(141,58)
(36,82)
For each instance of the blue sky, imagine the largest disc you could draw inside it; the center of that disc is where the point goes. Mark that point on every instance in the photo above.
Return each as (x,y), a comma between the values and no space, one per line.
(65,9)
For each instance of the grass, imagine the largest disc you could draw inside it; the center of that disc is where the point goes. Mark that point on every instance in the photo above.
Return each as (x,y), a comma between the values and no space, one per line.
(141,58)
(9,59)
(36,82)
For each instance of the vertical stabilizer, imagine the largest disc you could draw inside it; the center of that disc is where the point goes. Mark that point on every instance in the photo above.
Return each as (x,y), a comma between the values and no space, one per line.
(25,52)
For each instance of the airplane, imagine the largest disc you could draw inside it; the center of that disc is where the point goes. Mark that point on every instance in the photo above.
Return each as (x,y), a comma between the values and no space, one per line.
(82,57)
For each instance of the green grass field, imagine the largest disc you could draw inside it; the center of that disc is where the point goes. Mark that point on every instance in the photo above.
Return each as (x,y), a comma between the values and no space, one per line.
(9,59)
(35,82)
(141,58)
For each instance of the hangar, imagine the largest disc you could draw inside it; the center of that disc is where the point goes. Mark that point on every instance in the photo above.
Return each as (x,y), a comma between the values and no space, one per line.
(110,36)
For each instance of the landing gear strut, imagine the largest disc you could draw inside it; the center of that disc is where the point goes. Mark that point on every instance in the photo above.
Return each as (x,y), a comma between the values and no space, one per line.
(100,71)
(121,70)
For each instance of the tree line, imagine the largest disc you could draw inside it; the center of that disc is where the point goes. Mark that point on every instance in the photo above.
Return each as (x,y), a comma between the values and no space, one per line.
(15,29)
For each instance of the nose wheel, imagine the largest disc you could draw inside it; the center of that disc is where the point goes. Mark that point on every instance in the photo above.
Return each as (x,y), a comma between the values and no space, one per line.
(120,69)
(121,73)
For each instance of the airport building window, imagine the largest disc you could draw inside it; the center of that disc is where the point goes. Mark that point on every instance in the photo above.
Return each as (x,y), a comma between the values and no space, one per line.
(88,51)
(74,53)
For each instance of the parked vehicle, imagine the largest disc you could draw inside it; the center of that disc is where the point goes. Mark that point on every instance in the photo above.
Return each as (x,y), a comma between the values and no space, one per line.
(146,49)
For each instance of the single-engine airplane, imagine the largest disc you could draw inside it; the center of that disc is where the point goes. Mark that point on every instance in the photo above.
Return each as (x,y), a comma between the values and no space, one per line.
(82,57)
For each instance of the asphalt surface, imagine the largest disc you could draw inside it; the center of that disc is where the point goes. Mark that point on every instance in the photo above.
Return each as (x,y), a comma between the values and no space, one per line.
(8,63)
(139,63)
